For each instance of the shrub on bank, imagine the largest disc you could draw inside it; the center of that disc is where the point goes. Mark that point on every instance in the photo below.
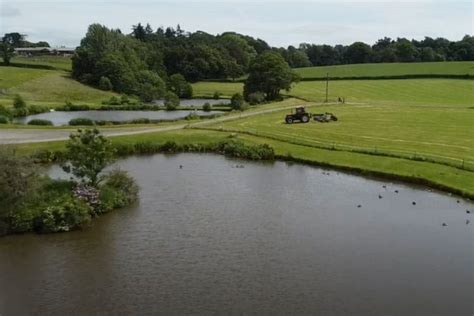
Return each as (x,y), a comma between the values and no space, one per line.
(29,202)
(63,215)
(37,109)
(69,107)
(171,101)
(192,116)
(4,120)
(256,98)
(81,122)
(118,190)
(40,122)
(236,148)
(207,107)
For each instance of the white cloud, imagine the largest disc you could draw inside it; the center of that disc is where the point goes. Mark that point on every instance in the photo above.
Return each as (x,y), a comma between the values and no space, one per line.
(279,22)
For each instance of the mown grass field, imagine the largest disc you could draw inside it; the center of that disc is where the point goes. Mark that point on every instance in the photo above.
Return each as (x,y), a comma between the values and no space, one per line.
(46,87)
(388,69)
(454,92)
(437,133)
(57,62)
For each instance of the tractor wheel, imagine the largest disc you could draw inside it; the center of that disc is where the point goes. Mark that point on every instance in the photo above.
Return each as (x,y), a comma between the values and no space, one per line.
(289,120)
(305,119)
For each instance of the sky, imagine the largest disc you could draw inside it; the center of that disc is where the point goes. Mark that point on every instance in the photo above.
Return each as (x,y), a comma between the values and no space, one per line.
(279,22)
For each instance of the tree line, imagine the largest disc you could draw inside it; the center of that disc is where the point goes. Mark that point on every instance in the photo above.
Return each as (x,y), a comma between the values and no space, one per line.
(385,50)
(156,63)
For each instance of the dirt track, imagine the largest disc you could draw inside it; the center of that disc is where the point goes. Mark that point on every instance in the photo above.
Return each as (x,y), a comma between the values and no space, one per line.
(21,136)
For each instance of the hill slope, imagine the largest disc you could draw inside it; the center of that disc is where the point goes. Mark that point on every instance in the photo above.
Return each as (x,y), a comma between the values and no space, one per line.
(51,87)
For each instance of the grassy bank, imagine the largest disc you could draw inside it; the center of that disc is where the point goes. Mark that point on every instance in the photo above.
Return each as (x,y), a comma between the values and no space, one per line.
(434,175)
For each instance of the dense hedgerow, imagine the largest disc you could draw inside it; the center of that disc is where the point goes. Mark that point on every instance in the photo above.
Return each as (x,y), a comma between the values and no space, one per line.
(81,122)
(40,122)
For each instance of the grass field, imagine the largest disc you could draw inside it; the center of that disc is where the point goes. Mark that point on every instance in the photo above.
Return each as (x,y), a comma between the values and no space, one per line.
(412,91)
(388,69)
(57,62)
(387,127)
(48,87)
(436,133)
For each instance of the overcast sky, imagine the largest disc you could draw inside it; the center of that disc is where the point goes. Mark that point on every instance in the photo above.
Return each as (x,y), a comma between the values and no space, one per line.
(280,23)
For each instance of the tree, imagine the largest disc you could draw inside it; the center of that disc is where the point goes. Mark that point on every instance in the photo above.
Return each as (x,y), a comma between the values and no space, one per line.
(19,106)
(171,101)
(179,86)
(149,86)
(238,48)
(358,53)
(87,154)
(427,54)
(7,50)
(105,84)
(405,50)
(237,102)
(269,73)
(15,39)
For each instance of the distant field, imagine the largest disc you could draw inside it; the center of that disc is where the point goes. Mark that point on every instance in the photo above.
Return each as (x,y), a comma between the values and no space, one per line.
(207,89)
(49,87)
(58,62)
(413,91)
(388,69)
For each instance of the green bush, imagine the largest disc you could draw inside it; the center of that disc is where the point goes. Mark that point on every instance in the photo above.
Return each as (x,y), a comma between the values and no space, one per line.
(4,120)
(37,109)
(171,101)
(207,107)
(81,122)
(73,107)
(18,102)
(118,190)
(4,111)
(256,98)
(237,102)
(63,215)
(105,84)
(124,99)
(20,112)
(178,85)
(40,122)
(192,116)
(236,148)
(216,95)
(18,179)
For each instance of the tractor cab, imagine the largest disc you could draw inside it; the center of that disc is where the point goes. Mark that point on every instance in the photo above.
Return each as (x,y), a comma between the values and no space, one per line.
(300,115)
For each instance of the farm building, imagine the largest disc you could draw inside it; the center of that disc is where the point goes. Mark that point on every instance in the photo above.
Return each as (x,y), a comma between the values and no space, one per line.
(35,51)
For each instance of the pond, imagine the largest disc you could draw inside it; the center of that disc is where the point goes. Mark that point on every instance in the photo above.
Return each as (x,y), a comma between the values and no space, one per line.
(197,102)
(63,118)
(223,236)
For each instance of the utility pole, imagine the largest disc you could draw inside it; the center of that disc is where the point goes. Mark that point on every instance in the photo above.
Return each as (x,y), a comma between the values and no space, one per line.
(327,86)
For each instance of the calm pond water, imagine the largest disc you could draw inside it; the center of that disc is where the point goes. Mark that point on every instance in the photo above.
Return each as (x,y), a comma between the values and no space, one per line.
(63,118)
(267,239)
(196,102)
